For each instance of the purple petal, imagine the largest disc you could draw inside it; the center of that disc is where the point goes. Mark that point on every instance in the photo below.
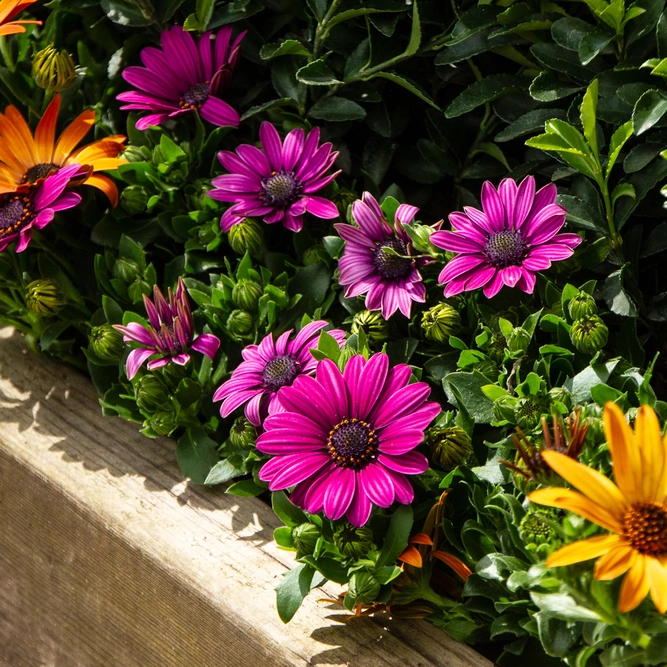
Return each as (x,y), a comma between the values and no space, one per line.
(360,509)
(135,360)
(341,486)
(270,139)
(493,207)
(459,265)
(405,213)
(403,402)
(370,384)
(405,494)
(332,381)
(300,467)
(218,112)
(254,158)
(455,242)
(320,207)
(524,201)
(377,484)
(292,148)
(412,463)
(207,344)
(401,443)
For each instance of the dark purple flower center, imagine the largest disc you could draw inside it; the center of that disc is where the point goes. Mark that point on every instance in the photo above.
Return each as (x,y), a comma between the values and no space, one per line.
(506,248)
(281,189)
(390,260)
(14,214)
(38,171)
(352,444)
(195,97)
(280,371)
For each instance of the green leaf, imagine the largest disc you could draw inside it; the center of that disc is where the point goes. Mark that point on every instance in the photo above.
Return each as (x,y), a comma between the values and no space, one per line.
(396,539)
(562,606)
(246,488)
(615,296)
(588,115)
(469,389)
(222,472)
(415,33)
(408,84)
(204,11)
(593,44)
(317,74)
(547,87)
(580,385)
(292,590)
(328,345)
(171,151)
(288,47)
(650,108)
(557,636)
(287,512)
(361,11)
(488,89)
(337,109)
(618,139)
(623,190)
(267,106)
(603,393)
(533,120)
(196,454)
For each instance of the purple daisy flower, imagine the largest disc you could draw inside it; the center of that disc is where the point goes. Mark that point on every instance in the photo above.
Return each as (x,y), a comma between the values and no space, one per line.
(269,366)
(346,441)
(515,235)
(170,333)
(376,260)
(276,183)
(20,213)
(184,76)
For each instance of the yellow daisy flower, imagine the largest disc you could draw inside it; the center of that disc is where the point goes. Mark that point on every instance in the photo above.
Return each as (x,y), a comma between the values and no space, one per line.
(634,509)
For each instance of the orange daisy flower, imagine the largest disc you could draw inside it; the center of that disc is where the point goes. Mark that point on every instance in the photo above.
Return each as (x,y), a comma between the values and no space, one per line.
(634,509)
(8,10)
(25,161)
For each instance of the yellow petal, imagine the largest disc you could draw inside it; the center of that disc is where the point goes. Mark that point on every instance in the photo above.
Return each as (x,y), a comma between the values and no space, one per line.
(657,581)
(615,563)
(583,550)
(635,585)
(72,135)
(590,482)
(624,452)
(46,131)
(651,449)
(579,504)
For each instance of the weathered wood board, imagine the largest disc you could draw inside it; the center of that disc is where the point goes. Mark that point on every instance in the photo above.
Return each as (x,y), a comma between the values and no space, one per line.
(108,558)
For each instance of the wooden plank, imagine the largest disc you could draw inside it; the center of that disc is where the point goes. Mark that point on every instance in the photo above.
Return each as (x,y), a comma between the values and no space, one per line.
(108,558)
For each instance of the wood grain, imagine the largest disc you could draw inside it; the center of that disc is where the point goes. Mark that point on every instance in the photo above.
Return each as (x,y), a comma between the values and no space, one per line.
(108,558)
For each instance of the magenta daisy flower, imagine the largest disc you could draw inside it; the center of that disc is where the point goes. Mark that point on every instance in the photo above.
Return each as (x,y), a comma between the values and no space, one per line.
(377,261)
(170,333)
(184,76)
(346,441)
(269,366)
(21,213)
(514,236)
(276,183)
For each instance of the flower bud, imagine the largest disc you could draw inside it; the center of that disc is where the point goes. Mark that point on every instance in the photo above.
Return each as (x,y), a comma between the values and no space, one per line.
(560,395)
(163,422)
(582,306)
(589,335)
(538,533)
(305,537)
(346,353)
(487,368)
(134,199)
(242,433)
(126,270)
(106,342)
(315,254)
(150,395)
(136,154)
(246,236)
(239,323)
(372,324)
(496,348)
(353,542)
(528,410)
(518,341)
(246,293)
(364,587)
(440,322)
(44,297)
(53,70)
(450,446)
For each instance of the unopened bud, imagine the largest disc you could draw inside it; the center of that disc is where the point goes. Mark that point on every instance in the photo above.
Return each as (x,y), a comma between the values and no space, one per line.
(589,335)
(44,297)
(246,236)
(239,323)
(305,537)
(134,199)
(150,395)
(353,542)
(242,433)
(106,342)
(518,341)
(441,322)
(372,324)
(53,70)
(246,294)
(364,587)
(582,306)
(450,446)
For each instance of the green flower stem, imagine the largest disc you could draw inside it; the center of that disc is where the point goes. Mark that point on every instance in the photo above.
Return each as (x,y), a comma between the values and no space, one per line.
(6,55)
(322,31)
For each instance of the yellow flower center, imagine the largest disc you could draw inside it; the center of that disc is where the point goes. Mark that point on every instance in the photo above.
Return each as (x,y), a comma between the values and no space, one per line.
(645,526)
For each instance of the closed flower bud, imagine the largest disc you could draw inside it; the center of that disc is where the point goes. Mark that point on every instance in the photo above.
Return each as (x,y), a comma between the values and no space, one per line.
(496,348)
(372,324)
(134,199)
(346,353)
(353,542)
(528,410)
(246,236)
(163,422)
(151,395)
(246,293)
(242,433)
(44,297)
(518,341)
(136,154)
(239,322)
(126,270)
(53,70)
(560,395)
(315,254)
(582,306)
(487,368)
(305,537)
(589,335)
(450,446)
(106,342)
(441,322)
(364,587)
(538,532)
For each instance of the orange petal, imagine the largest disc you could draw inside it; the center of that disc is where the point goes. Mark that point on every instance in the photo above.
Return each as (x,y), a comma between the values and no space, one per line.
(411,556)
(17,154)
(656,572)
(635,585)
(583,550)
(590,482)
(421,538)
(615,563)
(46,131)
(98,150)
(72,135)
(457,565)
(624,452)
(652,451)
(579,504)
(22,128)
(105,184)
